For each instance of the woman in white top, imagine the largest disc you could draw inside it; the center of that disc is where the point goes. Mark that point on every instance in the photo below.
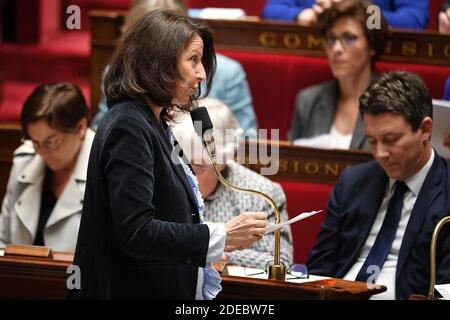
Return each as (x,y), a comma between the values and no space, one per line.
(44,196)
(331,110)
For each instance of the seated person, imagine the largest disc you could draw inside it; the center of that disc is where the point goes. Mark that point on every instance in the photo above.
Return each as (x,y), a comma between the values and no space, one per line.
(330,110)
(382,213)
(230,83)
(399,13)
(221,203)
(444,18)
(45,191)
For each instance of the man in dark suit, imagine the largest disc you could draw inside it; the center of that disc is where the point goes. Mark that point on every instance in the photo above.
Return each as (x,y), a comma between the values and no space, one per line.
(381,214)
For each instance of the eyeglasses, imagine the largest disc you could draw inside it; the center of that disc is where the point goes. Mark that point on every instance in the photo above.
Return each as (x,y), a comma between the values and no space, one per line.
(49,144)
(296,271)
(347,40)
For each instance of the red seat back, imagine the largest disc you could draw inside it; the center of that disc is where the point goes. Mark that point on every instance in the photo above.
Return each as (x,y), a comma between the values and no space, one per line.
(435,7)
(305,197)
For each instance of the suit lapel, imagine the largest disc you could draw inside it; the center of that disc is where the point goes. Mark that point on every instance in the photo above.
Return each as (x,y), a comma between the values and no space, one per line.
(428,194)
(368,210)
(69,203)
(27,205)
(327,109)
(167,148)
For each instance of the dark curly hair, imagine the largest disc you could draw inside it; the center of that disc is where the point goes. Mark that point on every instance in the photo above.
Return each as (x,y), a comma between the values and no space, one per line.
(61,104)
(377,38)
(144,65)
(401,93)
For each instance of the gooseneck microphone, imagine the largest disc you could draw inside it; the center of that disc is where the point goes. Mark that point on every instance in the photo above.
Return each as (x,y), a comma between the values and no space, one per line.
(433,244)
(205,130)
(277,271)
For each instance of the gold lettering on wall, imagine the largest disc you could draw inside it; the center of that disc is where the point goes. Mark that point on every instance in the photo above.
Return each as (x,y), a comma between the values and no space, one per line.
(292,40)
(268,39)
(430,50)
(409,48)
(283,165)
(312,168)
(296,166)
(447,51)
(332,169)
(313,42)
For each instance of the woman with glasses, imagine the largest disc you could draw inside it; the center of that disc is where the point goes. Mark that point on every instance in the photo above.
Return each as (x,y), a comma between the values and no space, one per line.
(44,196)
(327,115)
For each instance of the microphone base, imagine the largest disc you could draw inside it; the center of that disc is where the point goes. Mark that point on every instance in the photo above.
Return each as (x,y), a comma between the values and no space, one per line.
(277,272)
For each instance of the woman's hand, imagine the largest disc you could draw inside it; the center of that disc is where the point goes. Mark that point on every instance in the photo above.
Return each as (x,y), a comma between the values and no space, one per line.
(444,21)
(245,229)
(307,17)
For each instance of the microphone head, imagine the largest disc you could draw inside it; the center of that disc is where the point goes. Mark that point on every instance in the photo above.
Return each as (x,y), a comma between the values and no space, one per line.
(201,114)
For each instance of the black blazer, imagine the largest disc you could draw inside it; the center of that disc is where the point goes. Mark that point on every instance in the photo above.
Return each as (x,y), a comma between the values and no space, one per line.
(352,209)
(139,235)
(315,108)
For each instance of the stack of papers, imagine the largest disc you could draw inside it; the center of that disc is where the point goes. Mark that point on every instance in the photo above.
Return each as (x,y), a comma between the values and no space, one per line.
(222,13)
(444,290)
(441,126)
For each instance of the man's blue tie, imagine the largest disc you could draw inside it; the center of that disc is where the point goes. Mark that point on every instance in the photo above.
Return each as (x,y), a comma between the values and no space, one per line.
(386,235)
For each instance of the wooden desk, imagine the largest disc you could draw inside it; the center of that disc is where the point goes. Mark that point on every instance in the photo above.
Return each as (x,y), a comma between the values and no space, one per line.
(301,164)
(294,163)
(238,288)
(34,278)
(40,278)
(425,47)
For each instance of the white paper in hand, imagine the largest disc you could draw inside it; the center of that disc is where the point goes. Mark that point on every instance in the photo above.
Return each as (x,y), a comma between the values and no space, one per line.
(298,217)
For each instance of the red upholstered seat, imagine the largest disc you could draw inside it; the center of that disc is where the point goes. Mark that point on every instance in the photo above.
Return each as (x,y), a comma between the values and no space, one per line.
(13,98)
(14,94)
(433,75)
(305,197)
(435,7)
(275,80)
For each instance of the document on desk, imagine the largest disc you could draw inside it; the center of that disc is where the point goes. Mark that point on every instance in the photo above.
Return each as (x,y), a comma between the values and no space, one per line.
(441,126)
(299,217)
(2,252)
(444,290)
(255,273)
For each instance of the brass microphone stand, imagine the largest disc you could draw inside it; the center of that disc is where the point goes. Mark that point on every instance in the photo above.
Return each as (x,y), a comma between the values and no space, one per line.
(277,271)
(434,238)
